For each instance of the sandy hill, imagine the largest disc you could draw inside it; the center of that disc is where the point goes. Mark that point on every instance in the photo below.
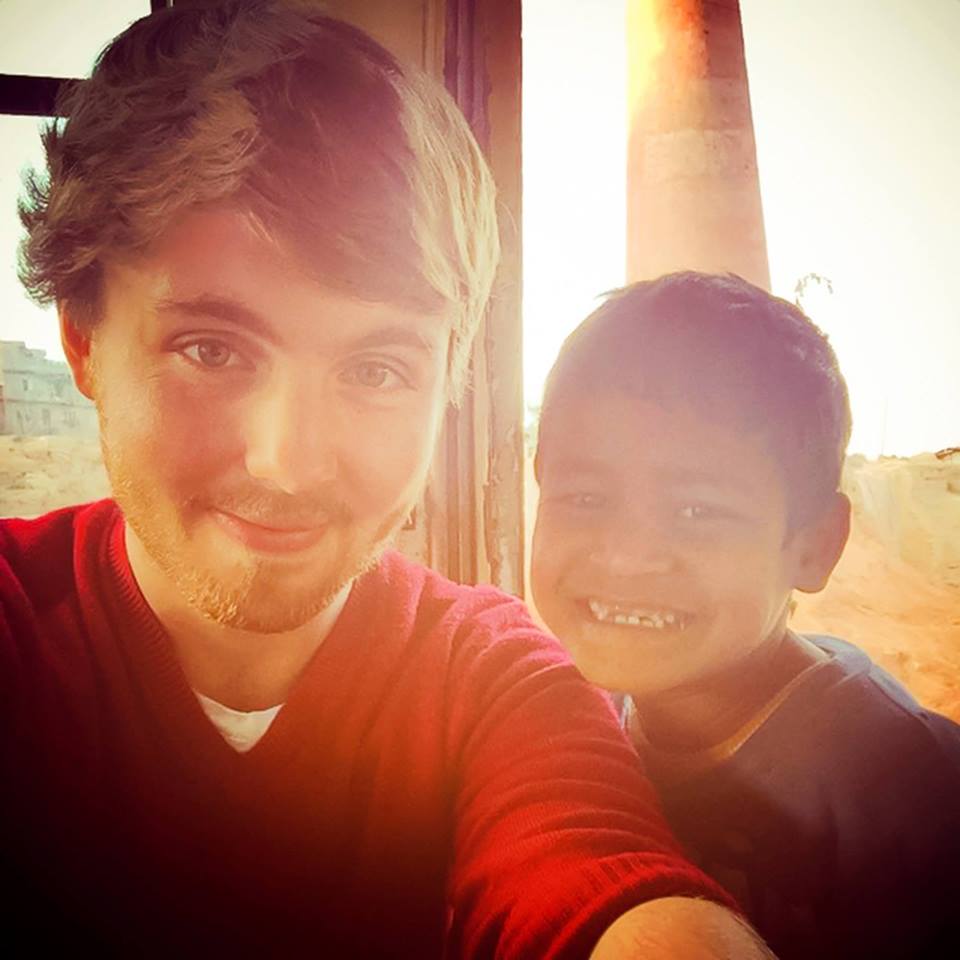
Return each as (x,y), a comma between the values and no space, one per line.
(38,474)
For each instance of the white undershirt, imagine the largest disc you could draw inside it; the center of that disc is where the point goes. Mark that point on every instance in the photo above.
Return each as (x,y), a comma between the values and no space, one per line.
(239,728)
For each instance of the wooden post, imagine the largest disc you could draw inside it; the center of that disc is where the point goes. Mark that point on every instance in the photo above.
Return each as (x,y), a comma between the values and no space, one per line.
(469,525)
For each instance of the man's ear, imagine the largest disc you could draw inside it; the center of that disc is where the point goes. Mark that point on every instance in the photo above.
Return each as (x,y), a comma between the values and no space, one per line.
(76,347)
(821,543)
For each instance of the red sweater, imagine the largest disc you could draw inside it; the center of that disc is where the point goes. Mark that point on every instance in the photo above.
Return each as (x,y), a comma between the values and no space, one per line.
(440,767)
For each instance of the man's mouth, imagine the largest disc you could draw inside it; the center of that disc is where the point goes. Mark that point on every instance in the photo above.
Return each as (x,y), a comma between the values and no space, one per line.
(272,536)
(625,614)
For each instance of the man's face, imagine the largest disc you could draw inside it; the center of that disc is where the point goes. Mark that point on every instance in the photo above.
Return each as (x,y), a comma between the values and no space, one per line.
(263,435)
(661,555)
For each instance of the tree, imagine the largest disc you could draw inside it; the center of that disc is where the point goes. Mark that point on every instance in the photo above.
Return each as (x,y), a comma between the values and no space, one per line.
(801,286)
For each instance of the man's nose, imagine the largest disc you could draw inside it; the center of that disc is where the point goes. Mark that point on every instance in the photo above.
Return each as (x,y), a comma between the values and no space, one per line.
(634,544)
(291,434)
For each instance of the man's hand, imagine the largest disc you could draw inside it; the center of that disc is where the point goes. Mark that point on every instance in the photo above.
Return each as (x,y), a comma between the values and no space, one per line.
(680,928)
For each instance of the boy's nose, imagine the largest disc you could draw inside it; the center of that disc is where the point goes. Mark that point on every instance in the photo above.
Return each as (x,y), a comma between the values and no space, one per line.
(291,436)
(633,545)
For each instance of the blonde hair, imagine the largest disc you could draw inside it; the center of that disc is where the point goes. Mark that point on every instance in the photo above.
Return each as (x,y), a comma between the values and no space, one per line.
(366,168)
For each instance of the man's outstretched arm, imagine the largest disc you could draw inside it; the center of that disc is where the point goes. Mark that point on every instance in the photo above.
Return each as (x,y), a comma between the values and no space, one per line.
(681,928)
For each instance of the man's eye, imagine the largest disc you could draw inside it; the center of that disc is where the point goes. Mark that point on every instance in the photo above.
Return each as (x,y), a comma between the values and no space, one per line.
(210,353)
(373,375)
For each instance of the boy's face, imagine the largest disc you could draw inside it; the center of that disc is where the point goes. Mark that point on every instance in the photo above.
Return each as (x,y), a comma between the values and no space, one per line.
(661,554)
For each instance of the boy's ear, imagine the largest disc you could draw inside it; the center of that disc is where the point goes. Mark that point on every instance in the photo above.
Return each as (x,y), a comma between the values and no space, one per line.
(76,347)
(821,543)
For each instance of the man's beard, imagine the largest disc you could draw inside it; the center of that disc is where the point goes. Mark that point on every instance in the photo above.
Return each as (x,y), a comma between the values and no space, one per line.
(250,592)
(254,602)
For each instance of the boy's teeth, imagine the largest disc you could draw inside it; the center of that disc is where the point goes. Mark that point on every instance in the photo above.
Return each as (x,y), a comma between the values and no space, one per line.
(633,616)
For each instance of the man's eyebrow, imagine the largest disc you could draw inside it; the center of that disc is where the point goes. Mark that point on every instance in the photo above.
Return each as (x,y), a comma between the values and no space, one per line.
(237,313)
(395,335)
(219,308)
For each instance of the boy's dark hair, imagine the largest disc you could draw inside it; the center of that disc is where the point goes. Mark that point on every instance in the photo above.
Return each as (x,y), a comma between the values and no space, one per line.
(732,351)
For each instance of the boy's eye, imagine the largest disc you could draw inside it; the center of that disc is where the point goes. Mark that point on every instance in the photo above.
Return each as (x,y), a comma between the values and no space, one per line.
(693,511)
(211,353)
(373,375)
(587,501)
(705,512)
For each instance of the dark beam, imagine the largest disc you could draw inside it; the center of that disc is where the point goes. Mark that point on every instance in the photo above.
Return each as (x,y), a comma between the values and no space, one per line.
(27,96)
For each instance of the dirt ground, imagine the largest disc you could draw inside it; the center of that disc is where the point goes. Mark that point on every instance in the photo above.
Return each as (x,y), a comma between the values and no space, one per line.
(908,623)
(896,591)
(38,474)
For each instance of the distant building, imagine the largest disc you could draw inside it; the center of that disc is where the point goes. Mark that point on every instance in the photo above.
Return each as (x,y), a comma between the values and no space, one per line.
(38,396)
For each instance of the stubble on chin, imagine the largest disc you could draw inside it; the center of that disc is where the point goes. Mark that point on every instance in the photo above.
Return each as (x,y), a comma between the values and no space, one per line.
(243,591)
(260,606)
(249,593)
(261,600)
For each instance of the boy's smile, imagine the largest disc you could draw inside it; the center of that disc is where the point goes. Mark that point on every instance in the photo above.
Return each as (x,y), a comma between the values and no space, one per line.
(623,614)
(662,556)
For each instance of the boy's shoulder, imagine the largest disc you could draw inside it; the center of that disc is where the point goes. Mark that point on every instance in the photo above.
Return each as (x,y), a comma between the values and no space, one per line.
(847,753)
(847,726)
(854,697)
(848,776)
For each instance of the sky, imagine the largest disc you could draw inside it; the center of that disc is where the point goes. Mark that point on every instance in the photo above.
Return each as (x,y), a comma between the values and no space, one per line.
(856,111)
(857,123)
(858,147)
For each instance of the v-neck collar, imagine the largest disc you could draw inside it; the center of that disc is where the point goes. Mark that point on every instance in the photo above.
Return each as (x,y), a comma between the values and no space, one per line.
(355,661)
